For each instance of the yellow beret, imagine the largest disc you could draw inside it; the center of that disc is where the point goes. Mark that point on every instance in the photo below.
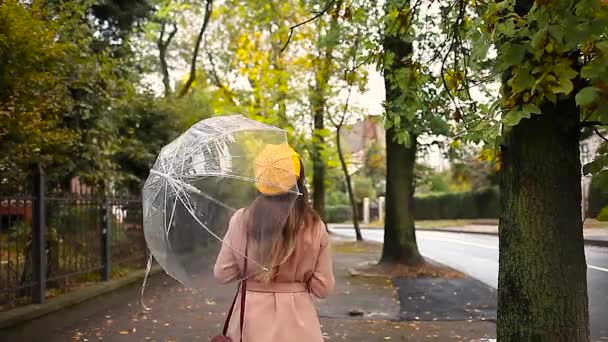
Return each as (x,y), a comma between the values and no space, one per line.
(276,169)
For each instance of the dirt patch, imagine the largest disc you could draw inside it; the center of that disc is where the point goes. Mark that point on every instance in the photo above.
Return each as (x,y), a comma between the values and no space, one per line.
(356,247)
(425,270)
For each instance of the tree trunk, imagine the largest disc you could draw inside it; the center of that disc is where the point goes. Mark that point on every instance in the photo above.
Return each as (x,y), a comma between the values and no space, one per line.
(318,102)
(542,284)
(399,230)
(318,163)
(197,46)
(349,187)
(163,45)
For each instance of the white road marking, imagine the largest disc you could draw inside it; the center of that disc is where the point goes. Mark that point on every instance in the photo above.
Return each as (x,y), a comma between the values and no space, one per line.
(597,268)
(461,242)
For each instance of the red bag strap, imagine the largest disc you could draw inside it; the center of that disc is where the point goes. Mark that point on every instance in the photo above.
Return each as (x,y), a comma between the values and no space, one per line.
(243,291)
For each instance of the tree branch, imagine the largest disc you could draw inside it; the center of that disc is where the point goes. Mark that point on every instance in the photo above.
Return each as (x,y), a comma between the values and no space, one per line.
(316,16)
(216,80)
(597,131)
(593,123)
(453,45)
(199,38)
(162,55)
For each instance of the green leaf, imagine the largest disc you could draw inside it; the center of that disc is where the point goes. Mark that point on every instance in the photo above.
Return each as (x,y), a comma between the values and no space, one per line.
(396,121)
(593,69)
(507,27)
(550,96)
(603,46)
(522,81)
(564,71)
(513,54)
(480,50)
(513,117)
(531,108)
(564,86)
(600,164)
(587,96)
(556,31)
(403,137)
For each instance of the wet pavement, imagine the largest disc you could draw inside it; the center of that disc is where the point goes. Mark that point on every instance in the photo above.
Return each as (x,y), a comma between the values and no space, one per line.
(477,256)
(181,314)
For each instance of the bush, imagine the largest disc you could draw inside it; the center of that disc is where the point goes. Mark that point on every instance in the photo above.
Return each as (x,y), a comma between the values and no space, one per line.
(427,207)
(363,187)
(598,194)
(338,213)
(19,231)
(468,205)
(449,206)
(336,198)
(488,203)
(603,215)
(459,205)
(71,219)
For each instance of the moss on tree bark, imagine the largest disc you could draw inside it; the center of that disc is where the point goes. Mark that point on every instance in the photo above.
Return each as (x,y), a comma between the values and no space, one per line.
(542,285)
(399,230)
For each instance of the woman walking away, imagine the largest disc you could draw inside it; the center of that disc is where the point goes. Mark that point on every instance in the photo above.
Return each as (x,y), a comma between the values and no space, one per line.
(277,299)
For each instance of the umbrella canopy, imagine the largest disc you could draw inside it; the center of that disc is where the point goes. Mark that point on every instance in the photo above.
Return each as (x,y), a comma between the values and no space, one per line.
(201,179)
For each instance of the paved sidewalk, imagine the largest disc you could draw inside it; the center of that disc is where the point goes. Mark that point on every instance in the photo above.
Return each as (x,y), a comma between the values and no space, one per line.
(180,314)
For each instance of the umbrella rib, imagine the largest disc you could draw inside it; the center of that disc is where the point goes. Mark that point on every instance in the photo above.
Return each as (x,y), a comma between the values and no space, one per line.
(172,215)
(227,175)
(166,235)
(191,212)
(185,185)
(237,130)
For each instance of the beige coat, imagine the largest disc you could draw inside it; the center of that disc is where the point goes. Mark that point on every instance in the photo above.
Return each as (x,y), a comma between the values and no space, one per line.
(282,310)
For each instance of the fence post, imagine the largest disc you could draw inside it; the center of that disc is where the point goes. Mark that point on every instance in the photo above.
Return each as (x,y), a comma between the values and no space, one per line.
(39,237)
(106,270)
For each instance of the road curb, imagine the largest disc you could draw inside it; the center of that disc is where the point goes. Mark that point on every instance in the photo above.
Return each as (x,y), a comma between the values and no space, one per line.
(456,231)
(28,312)
(589,242)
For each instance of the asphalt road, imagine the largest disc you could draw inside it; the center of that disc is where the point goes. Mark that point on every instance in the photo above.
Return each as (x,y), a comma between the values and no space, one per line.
(477,256)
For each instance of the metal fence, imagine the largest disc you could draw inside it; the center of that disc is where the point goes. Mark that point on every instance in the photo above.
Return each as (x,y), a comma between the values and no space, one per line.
(53,239)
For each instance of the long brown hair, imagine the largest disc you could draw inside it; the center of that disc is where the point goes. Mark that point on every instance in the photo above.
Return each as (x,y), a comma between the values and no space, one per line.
(274,232)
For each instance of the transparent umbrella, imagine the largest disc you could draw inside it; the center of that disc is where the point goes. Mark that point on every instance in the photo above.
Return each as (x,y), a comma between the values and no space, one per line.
(200,180)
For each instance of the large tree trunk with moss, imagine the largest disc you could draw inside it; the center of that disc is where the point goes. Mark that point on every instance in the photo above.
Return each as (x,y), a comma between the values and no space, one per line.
(542,285)
(399,230)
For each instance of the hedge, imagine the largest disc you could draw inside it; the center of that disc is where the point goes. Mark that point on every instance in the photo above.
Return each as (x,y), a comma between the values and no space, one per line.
(460,205)
(338,213)
(480,204)
(598,194)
